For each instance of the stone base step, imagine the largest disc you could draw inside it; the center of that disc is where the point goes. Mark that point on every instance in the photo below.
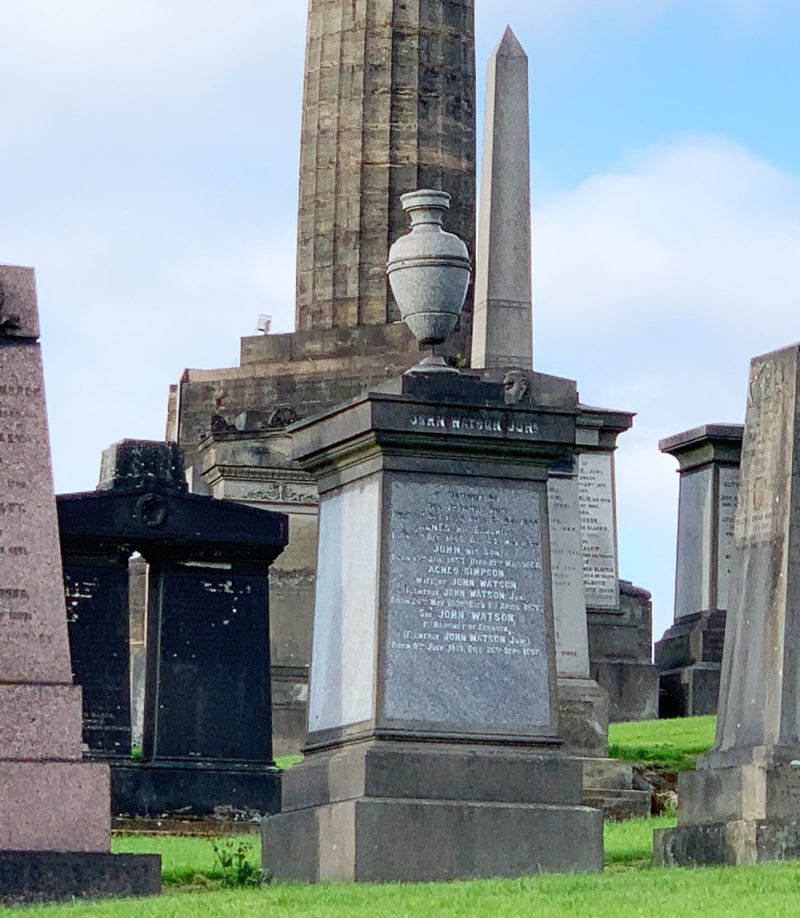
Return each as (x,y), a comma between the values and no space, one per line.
(618,804)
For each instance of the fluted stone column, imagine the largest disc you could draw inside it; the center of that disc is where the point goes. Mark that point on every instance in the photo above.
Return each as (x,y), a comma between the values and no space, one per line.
(389,106)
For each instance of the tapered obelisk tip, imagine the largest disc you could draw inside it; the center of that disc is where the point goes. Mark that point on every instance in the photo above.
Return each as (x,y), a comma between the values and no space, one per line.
(502,328)
(509,45)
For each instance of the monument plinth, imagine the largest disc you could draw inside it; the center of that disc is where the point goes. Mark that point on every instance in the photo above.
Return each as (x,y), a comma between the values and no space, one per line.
(55,809)
(741,805)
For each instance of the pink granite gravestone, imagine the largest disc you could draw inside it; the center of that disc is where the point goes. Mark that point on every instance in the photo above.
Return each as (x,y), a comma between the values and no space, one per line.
(54,808)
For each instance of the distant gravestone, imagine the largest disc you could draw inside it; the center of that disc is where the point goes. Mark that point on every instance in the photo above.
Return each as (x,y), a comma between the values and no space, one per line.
(690,652)
(742,805)
(54,808)
(598,529)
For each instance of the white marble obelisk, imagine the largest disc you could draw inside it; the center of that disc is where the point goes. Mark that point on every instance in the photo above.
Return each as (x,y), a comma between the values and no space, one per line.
(502,335)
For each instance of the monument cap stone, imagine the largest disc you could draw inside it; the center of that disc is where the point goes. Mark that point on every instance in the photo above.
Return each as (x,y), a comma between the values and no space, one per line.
(19,316)
(147,465)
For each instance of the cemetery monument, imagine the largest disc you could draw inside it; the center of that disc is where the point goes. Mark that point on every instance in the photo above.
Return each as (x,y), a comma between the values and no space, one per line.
(741,805)
(55,815)
(433,723)
(690,652)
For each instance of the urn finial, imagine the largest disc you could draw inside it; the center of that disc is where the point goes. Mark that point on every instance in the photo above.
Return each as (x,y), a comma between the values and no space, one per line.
(429,271)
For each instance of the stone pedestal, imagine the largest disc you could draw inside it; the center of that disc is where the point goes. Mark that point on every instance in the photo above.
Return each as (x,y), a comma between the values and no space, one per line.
(742,805)
(409,812)
(433,651)
(54,808)
(689,654)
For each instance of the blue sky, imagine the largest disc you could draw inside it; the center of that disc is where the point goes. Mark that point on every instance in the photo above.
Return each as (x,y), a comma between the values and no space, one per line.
(148,163)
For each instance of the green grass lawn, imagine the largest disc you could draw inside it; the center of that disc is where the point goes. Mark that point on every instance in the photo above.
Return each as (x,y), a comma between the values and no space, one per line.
(624,889)
(628,886)
(671,745)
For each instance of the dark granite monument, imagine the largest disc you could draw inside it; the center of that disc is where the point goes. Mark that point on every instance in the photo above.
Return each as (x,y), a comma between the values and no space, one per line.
(742,805)
(54,807)
(207,739)
(690,652)
(433,725)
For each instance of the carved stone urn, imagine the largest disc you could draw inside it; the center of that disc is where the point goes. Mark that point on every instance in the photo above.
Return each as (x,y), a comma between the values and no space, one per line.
(429,271)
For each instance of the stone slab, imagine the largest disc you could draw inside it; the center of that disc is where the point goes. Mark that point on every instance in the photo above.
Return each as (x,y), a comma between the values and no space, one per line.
(689,692)
(599,529)
(761,666)
(734,843)
(583,710)
(144,789)
(569,594)
(18,304)
(414,771)
(54,806)
(208,665)
(754,791)
(632,689)
(39,876)
(38,717)
(343,676)
(381,840)
(465,600)
(98,618)
(34,645)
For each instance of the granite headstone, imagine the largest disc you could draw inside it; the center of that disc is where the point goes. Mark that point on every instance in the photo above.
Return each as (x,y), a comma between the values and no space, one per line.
(54,808)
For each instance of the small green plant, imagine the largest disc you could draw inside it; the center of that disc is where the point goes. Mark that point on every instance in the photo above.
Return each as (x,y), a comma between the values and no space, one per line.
(136,753)
(233,856)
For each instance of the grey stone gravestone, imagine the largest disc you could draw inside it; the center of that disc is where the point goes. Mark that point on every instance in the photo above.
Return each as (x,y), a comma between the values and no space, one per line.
(690,652)
(433,714)
(54,808)
(742,806)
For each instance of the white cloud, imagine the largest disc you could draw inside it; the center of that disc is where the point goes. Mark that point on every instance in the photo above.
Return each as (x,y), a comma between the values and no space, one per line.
(654,286)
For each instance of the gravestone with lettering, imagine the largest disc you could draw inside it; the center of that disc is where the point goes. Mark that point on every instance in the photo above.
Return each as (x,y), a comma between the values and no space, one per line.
(619,614)
(742,805)
(690,652)
(583,705)
(433,726)
(206,719)
(54,808)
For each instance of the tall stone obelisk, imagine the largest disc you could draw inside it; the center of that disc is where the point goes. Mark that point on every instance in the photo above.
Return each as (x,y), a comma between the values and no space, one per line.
(502,335)
(388,107)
